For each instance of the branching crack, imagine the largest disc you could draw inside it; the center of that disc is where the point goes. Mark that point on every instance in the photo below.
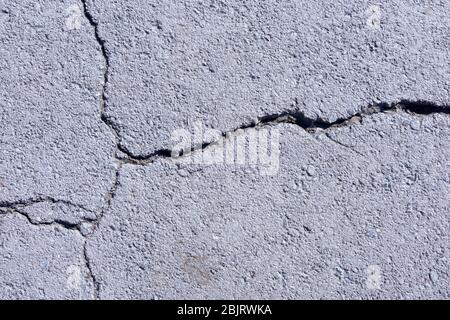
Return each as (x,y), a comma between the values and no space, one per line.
(294,116)
(19,206)
(103,104)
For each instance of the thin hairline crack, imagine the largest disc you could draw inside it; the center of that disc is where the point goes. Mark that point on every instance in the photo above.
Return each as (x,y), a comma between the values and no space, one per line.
(110,196)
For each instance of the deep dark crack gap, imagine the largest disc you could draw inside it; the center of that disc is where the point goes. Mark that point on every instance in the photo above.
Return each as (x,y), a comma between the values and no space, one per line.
(311,125)
(294,116)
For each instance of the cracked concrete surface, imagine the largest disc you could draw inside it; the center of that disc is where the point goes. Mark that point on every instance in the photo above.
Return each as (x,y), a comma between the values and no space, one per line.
(53,141)
(41,261)
(309,232)
(173,62)
(93,205)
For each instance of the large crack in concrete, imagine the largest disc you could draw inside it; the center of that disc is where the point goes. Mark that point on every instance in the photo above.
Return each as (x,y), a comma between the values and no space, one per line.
(310,125)
(291,116)
(313,125)
(19,207)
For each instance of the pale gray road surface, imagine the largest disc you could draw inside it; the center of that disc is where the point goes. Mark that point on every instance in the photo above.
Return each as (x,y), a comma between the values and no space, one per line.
(350,99)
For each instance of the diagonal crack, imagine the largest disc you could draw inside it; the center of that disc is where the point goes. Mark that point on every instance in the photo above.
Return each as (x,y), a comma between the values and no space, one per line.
(327,135)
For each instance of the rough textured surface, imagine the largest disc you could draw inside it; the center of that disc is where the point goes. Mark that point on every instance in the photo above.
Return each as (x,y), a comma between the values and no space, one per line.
(53,143)
(230,62)
(355,205)
(41,262)
(310,231)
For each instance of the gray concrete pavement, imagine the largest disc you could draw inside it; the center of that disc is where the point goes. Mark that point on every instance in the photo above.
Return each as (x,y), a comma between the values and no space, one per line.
(311,231)
(230,62)
(327,175)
